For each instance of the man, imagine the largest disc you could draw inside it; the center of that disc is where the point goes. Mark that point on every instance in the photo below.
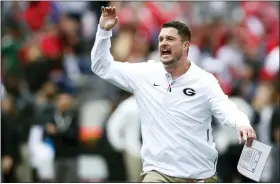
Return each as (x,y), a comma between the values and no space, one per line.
(10,140)
(123,130)
(176,101)
(62,130)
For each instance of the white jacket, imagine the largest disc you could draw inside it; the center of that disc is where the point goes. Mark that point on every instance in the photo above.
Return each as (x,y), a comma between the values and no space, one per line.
(175,124)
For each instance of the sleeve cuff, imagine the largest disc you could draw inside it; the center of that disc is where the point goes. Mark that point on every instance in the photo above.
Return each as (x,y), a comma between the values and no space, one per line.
(104,33)
(245,122)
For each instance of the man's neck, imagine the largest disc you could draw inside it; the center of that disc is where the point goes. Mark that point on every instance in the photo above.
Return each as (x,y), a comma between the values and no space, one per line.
(178,69)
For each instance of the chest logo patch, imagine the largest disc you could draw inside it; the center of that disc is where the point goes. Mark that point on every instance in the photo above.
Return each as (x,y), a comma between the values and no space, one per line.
(189,91)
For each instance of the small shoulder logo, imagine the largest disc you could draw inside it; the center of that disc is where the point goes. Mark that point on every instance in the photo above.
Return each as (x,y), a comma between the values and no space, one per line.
(189,91)
(156,84)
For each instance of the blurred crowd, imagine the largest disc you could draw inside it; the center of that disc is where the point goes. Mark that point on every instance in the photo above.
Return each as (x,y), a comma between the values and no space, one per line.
(61,123)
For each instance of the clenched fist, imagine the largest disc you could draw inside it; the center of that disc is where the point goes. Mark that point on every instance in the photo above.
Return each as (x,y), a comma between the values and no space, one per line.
(108,18)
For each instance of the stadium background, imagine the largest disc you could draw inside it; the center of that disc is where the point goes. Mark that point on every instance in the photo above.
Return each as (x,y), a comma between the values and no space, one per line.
(45,59)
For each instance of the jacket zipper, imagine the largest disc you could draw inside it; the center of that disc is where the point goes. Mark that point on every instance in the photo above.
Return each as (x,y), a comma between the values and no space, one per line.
(207,135)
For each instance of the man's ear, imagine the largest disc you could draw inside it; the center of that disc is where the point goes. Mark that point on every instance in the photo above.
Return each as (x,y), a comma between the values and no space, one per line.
(186,45)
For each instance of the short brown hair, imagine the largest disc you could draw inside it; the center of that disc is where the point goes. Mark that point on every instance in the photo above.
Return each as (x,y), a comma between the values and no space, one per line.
(183,29)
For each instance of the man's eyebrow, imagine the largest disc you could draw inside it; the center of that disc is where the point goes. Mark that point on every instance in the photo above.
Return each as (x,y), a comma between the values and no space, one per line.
(168,36)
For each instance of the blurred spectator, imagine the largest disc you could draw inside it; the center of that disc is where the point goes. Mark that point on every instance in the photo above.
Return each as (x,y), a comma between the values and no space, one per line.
(275,130)
(265,102)
(124,134)
(36,70)
(62,129)
(10,153)
(73,9)
(24,118)
(41,155)
(271,171)
(10,46)
(44,99)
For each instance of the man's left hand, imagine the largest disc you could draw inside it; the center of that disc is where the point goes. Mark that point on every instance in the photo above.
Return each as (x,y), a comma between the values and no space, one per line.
(246,133)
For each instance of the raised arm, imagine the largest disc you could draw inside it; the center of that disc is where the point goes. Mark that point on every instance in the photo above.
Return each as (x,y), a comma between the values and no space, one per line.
(228,114)
(123,75)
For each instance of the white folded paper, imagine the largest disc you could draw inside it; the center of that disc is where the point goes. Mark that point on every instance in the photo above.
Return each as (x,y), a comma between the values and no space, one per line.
(252,160)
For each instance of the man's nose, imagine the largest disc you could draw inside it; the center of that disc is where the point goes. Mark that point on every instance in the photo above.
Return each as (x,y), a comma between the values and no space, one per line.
(164,43)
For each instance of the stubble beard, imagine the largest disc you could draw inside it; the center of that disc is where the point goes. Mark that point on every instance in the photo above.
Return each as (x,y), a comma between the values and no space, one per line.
(172,62)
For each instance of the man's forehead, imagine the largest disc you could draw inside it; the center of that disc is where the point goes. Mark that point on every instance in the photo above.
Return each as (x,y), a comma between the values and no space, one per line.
(170,31)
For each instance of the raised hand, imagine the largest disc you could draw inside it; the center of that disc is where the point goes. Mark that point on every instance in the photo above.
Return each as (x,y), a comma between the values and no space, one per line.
(108,18)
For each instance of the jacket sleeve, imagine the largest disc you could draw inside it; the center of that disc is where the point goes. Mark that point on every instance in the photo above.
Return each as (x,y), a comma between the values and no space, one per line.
(223,109)
(122,74)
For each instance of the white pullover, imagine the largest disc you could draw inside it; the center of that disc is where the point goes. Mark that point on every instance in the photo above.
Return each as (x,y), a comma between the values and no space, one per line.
(175,114)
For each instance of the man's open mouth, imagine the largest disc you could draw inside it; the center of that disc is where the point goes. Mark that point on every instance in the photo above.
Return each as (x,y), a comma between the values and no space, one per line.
(165,52)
